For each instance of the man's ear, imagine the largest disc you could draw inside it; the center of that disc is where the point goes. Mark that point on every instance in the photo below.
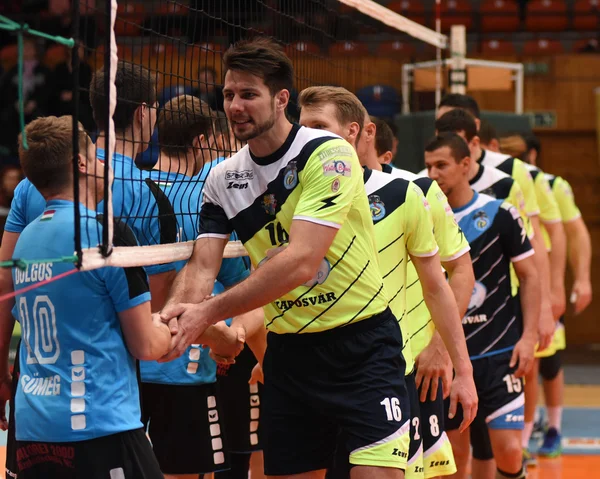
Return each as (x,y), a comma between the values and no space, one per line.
(199,141)
(141,112)
(353,131)
(282,98)
(494,145)
(387,158)
(82,165)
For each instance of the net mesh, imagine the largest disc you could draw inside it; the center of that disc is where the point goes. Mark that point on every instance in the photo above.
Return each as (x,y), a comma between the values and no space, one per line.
(168,48)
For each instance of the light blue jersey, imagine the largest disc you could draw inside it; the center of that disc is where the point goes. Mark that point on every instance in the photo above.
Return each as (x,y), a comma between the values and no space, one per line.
(78,380)
(27,205)
(139,202)
(195,366)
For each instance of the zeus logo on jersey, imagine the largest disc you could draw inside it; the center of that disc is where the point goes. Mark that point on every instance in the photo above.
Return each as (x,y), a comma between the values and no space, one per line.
(48,386)
(34,272)
(237,186)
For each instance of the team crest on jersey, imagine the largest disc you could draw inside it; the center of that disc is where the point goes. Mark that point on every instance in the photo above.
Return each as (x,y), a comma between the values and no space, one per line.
(269,204)
(478,296)
(290,177)
(377,207)
(335,185)
(481,220)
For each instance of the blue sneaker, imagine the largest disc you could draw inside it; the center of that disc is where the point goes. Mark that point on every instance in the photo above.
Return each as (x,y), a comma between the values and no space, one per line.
(552,445)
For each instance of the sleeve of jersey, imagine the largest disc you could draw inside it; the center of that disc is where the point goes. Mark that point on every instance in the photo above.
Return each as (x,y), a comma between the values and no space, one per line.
(448,235)
(419,224)
(523,177)
(233,270)
(549,211)
(330,181)
(566,200)
(17,219)
(127,287)
(516,244)
(517,199)
(214,222)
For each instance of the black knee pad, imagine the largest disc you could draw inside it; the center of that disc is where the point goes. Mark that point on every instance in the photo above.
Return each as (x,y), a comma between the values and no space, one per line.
(480,440)
(550,366)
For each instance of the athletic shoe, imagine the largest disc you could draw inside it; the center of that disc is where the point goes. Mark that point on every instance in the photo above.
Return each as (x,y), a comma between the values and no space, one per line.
(552,445)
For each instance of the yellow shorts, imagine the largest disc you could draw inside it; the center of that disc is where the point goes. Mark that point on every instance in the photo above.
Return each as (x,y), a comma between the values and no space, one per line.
(389,452)
(438,460)
(559,342)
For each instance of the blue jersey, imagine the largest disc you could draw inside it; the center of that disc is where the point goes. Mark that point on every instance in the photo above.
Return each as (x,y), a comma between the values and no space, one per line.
(78,380)
(139,202)
(27,205)
(494,321)
(185,194)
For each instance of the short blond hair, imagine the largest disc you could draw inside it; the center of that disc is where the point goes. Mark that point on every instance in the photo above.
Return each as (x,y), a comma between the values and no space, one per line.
(48,161)
(513,145)
(348,107)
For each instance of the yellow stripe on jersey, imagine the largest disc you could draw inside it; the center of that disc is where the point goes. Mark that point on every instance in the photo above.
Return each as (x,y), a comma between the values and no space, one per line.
(452,244)
(348,287)
(403,226)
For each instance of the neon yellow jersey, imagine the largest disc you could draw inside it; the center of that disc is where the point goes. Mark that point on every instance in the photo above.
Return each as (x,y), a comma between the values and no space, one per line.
(516,169)
(314,177)
(403,226)
(563,193)
(452,244)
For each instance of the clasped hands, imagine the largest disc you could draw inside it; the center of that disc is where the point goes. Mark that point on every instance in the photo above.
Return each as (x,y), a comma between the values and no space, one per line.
(190,324)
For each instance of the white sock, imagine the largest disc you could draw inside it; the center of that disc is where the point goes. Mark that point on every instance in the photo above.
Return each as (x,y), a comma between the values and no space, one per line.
(527,430)
(555,417)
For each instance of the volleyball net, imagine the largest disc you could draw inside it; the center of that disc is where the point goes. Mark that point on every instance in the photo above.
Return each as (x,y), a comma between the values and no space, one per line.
(142,61)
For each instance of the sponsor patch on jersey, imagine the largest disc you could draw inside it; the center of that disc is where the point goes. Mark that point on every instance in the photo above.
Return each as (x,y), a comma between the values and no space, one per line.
(481,220)
(377,207)
(290,177)
(337,167)
(239,175)
(269,204)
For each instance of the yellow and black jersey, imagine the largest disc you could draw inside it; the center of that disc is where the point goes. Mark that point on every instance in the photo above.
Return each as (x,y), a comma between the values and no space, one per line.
(516,169)
(563,194)
(314,176)
(452,245)
(403,227)
(497,184)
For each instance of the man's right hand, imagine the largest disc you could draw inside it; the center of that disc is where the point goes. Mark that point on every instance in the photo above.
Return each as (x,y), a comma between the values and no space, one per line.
(433,364)
(463,392)
(546,326)
(191,323)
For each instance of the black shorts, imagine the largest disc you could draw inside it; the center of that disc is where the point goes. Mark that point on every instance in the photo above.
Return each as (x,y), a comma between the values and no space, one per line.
(240,402)
(480,440)
(11,441)
(432,419)
(501,397)
(185,425)
(415,451)
(347,381)
(126,455)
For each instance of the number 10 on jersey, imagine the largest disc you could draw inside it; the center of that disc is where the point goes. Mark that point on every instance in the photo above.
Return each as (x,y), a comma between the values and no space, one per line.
(39,330)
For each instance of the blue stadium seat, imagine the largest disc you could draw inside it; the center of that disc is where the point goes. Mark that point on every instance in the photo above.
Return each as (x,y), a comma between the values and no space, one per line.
(380,100)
